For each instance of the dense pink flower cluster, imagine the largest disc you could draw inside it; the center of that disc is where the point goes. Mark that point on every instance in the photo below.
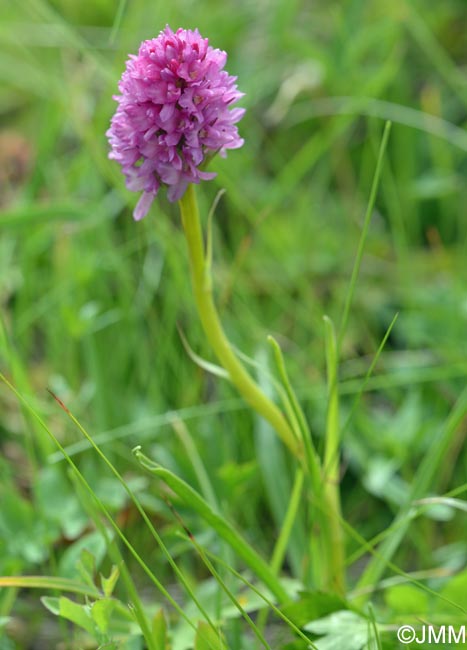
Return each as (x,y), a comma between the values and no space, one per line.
(174,111)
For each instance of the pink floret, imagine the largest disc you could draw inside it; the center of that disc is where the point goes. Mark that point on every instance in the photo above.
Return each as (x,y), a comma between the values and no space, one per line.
(173,111)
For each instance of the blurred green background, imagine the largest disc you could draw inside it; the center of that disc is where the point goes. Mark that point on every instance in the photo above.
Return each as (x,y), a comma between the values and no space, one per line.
(90,300)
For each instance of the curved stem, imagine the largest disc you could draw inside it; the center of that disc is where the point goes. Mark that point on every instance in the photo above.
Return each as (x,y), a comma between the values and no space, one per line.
(202,288)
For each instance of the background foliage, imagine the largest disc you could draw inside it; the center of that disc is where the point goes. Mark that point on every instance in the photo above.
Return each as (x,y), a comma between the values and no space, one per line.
(90,301)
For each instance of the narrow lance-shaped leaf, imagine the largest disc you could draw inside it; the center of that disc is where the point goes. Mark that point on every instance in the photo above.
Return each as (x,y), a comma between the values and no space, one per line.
(218,523)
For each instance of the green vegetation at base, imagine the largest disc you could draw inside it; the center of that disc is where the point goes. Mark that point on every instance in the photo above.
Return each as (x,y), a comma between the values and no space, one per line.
(91,306)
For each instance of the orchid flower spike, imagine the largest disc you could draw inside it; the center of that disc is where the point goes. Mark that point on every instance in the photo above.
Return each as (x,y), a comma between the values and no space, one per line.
(174,113)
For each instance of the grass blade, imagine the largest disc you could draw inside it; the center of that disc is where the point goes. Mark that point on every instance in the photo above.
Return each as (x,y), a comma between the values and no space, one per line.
(361,243)
(145,518)
(102,508)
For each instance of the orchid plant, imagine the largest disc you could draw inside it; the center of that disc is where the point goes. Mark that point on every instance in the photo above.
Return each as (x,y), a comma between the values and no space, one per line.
(177,109)
(174,114)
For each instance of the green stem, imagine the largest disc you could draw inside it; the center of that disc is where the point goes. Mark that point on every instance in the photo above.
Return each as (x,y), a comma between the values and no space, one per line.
(202,288)
(333,534)
(280,547)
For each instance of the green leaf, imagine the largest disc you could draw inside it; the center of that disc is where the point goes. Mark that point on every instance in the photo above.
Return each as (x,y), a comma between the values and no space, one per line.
(296,415)
(456,591)
(331,453)
(111,492)
(208,366)
(86,566)
(235,476)
(447,502)
(159,630)
(58,502)
(108,584)
(434,185)
(222,527)
(101,612)
(208,261)
(93,542)
(71,611)
(76,613)
(207,639)
(52,604)
(274,471)
(21,530)
(312,605)
(406,600)
(132,643)
(422,482)
(345,630)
